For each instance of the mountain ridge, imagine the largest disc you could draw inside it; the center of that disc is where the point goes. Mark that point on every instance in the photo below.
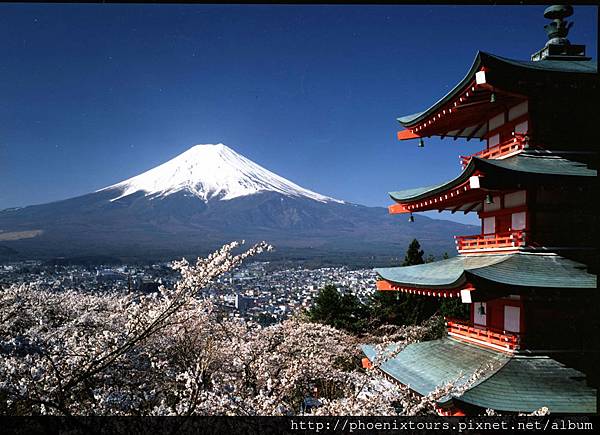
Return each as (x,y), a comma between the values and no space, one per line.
(186,206)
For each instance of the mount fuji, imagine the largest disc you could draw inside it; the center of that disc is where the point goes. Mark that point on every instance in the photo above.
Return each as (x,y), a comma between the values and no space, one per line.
(211,172)
(205,197)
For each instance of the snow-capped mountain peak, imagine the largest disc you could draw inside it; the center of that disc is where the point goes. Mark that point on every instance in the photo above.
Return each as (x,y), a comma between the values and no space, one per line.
(212,172)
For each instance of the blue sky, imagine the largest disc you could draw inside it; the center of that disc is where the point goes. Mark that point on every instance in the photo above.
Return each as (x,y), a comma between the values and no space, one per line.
(91,94)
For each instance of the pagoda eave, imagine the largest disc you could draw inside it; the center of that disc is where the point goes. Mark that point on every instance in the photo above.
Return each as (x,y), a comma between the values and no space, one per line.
(385,285)
(466,116)
(504,272)
(465,110)
(483,93)
(511,382)
(465,197)
(481,177)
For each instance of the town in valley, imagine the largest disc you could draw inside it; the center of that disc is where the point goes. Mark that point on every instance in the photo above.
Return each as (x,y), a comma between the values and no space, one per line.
(258,291)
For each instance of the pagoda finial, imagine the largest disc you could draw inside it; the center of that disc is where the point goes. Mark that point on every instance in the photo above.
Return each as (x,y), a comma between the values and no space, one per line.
(558,29)
(558,46)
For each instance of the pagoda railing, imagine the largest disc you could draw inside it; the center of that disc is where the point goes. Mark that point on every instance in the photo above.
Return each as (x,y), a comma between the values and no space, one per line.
(511,146)
(484,336)
(504,241)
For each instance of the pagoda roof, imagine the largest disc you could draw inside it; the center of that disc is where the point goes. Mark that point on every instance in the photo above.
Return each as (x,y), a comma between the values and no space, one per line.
(532,163)
(540,162)
(426,365)
(512,383)
(526,383)
(498,63)
(519,270)
(565,66)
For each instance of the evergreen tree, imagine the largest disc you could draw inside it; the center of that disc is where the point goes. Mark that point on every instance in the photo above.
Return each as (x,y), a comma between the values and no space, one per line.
(417,308)
(414,254)
(326,305)
(407,309)
(454,308)
(400,308)
(342,311)
(386,307)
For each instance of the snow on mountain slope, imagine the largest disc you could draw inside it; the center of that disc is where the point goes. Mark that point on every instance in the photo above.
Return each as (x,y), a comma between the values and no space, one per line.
(212,171)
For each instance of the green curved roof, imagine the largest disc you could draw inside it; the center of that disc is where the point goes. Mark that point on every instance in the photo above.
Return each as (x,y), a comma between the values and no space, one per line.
(537,270)
(564,66)
(526,383)
(426,365)
(518,270)
(482,58)
(407,119)
(527,163)
(450,272)
(423,192)
(539,162)
(508,383)
(418,192)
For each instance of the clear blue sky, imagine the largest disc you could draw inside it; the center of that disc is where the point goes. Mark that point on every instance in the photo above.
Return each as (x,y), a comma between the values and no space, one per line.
(91,94)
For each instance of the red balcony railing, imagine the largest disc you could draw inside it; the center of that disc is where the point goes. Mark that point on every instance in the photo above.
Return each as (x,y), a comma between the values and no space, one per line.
(514,144)
(510,239)
(489,337)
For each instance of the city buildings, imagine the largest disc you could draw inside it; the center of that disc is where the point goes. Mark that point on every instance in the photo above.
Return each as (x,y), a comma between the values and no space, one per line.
(257,292)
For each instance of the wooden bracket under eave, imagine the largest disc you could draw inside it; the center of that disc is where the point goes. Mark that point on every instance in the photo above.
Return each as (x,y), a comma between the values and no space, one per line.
(407,134)
(397,209)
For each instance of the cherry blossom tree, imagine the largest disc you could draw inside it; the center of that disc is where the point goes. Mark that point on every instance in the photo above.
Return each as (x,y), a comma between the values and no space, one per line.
(66,352)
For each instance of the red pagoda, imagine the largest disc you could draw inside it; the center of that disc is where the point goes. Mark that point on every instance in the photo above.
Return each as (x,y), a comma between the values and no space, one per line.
(529,277)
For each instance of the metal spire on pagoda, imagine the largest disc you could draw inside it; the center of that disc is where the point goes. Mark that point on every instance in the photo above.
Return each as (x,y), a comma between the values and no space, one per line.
(558,46)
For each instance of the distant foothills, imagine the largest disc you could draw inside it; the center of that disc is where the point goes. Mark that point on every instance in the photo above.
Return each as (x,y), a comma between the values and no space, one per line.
(207,196)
